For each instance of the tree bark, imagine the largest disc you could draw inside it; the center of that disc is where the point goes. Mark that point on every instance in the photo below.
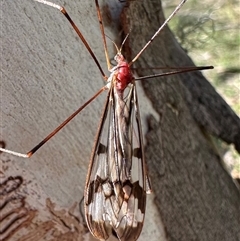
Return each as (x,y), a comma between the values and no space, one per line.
(46,74)
(196,198)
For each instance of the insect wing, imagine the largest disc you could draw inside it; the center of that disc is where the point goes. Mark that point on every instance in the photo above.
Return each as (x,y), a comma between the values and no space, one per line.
(115,192)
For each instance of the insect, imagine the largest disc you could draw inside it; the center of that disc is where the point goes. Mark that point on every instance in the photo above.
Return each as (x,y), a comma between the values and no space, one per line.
(117,180)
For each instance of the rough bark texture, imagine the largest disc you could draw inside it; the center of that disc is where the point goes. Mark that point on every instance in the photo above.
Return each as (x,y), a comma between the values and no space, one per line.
(196,197)
(46,74)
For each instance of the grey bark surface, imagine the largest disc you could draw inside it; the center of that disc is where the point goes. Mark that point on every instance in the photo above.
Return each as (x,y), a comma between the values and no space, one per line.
(196,197)
(46,74)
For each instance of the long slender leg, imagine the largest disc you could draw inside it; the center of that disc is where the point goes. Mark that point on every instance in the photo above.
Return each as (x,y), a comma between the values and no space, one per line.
(53,133)
(103,34)
(63,10)
(181,70)
(158,31)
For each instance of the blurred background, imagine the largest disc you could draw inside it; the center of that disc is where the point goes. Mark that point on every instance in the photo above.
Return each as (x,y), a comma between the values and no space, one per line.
(209,31)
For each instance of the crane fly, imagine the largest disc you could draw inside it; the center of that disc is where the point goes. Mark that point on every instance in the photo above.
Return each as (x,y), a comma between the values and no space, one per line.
(117,181)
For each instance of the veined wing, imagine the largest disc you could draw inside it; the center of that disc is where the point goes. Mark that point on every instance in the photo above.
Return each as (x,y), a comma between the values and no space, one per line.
(115,192)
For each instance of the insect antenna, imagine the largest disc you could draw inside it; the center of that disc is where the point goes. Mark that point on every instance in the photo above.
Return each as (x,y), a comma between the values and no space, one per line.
(124,42)
(118,51)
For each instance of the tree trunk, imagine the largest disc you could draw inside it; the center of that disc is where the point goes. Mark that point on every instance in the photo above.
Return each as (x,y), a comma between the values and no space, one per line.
(196,198)
(46,74)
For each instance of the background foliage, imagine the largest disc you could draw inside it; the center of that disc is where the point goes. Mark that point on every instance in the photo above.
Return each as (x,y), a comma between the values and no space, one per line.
(210,32)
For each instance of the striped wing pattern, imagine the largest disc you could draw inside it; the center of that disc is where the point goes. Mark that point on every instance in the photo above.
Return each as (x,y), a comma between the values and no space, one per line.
(115,195)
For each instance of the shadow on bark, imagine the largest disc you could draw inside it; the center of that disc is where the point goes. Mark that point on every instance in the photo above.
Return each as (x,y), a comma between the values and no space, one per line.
(197,199)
